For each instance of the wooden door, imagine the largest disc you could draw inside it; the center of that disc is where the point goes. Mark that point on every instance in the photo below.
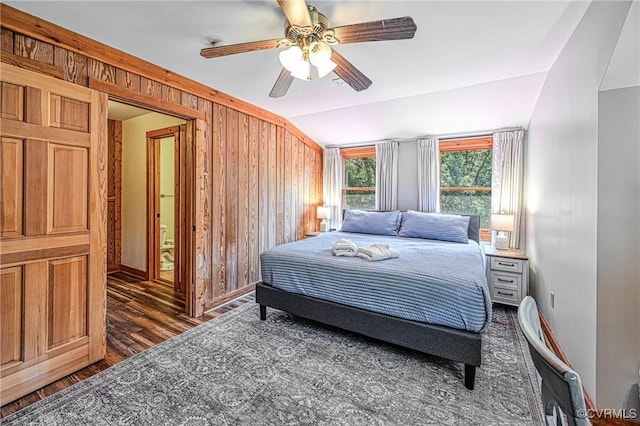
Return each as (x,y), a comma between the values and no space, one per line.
(52,230)
(155,138)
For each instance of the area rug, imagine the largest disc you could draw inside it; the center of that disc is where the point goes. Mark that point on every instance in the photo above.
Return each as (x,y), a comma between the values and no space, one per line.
(238,370)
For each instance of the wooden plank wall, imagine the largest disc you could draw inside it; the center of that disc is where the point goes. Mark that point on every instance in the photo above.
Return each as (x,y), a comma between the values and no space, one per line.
(257,177)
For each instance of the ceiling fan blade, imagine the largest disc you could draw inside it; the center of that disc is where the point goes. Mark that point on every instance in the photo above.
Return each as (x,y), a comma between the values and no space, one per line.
(232,49)
(282,84)
(385,29)
(296,12)
(350,74)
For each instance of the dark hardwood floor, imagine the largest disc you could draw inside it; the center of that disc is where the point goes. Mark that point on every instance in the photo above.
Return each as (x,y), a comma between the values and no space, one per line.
(140,314)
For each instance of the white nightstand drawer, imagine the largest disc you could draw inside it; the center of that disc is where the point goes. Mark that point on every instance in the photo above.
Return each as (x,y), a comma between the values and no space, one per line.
(506,280)
(505,264)
(508,296)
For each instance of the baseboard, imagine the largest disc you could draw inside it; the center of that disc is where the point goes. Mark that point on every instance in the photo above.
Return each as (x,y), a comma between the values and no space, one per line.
(554,345)
(212,304)
(136,272)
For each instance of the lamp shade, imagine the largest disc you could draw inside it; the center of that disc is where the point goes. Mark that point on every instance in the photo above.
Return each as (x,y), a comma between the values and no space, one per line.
(324,212)
(320,57)
(502,222)
(292,59)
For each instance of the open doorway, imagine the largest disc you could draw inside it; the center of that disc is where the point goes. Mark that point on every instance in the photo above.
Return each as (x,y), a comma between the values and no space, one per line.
(147,214)
(165,182)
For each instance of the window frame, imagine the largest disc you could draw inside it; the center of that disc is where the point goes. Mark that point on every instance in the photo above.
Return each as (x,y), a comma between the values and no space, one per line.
(350,153)
(466,144)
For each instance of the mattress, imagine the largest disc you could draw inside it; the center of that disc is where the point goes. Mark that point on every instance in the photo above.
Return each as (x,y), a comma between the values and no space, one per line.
(435,282)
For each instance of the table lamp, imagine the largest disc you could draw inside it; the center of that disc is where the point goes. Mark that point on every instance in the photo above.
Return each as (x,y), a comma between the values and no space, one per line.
(502,223)
(324,213)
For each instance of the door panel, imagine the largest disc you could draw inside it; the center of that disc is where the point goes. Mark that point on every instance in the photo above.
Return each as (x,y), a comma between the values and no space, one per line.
(12,101)
(68,188)
(66,298)
(67,113)
(11,297)
(52,262)
(11,184)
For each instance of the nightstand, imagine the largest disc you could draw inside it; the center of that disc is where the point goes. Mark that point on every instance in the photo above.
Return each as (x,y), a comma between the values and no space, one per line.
(507,275)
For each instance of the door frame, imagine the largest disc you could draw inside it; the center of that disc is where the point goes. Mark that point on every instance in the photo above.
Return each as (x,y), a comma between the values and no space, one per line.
(154,137)
(193,137)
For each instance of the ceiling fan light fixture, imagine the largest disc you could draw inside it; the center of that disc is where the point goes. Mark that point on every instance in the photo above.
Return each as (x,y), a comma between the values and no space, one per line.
(291,58)
(320,57)
(302,70)
(319,53)
(325,68)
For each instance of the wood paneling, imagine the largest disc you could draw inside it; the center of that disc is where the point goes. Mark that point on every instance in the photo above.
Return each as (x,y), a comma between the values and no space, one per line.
(263,186)
(232,200)
(251,189)
(33,49)
(287,182)
(6,41)
(272,186)
(242,235)
(281,236)
(11,326)
(73,65)
(114,197)
(11,184)
(300,223)
(254,200)
(219,202)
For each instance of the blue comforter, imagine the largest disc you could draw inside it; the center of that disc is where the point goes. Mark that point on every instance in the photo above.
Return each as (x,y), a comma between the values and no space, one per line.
(431,281)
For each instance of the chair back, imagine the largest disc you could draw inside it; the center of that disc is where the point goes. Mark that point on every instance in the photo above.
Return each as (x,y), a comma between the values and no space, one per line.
(561,387)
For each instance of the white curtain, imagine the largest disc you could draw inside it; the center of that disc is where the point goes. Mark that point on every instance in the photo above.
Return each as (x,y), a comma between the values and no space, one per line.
(387,176)
(429,175)
(332,185)
(507,178)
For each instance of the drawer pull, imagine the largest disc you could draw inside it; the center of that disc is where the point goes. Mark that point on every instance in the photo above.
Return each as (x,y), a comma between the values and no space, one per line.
(505,281)
(511,265)
(505,294)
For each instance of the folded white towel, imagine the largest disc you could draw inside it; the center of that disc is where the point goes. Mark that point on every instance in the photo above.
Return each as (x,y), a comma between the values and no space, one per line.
(377,251)
(344,247)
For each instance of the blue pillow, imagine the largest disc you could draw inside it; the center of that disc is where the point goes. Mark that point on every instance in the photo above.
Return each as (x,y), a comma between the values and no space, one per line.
(435,226)
(369,222)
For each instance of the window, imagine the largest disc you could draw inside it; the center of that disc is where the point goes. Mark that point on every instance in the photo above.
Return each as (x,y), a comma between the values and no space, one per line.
(359,172)
(465,179)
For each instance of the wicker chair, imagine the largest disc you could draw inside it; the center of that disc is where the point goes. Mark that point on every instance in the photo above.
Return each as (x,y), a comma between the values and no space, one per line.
(562,395)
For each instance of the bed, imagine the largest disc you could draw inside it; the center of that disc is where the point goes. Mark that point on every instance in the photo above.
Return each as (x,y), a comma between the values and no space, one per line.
(432,298)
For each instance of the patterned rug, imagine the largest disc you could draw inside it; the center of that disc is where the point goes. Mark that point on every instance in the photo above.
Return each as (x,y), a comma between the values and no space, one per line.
(237,370)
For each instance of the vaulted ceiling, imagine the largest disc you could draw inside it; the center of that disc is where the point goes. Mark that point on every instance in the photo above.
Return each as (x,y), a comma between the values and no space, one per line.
(472,65)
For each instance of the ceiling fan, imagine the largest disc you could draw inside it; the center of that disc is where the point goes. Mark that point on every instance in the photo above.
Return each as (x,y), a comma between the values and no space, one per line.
(309,40)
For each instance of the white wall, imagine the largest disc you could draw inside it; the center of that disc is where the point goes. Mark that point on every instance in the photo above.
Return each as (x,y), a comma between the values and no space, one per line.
(134,185)
(561,169)
(167,185)
(618,274)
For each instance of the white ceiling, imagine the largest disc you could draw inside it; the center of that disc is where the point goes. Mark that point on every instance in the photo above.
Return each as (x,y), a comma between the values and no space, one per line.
(472,66)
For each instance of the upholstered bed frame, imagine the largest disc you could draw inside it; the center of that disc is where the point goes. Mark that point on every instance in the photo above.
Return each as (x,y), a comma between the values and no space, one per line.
(446,342)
